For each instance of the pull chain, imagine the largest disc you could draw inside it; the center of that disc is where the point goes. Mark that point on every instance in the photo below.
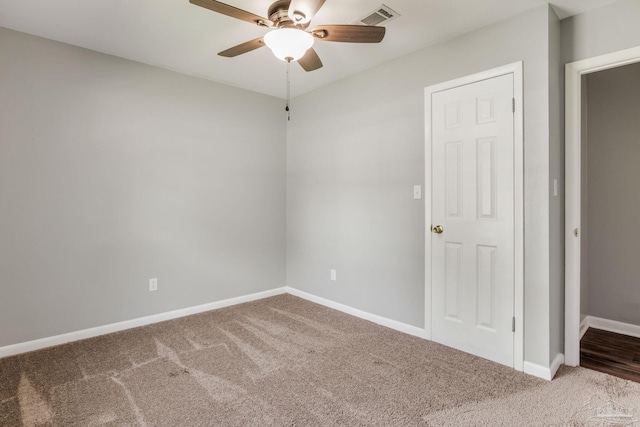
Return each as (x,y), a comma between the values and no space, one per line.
(288,89)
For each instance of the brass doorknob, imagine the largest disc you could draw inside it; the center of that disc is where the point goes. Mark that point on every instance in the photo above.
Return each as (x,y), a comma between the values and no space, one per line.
(437,229)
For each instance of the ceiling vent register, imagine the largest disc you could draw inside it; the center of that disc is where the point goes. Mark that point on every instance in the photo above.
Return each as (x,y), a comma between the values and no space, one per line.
(381,15)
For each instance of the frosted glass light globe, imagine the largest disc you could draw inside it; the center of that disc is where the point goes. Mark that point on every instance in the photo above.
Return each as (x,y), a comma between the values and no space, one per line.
(288,44)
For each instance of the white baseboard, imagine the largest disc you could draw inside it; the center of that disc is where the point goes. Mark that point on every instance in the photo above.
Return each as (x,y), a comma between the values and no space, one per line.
(10,350)
(389,323)
(542,371)
(38,344)
(528,367)
(555,364)
(584,326)
(611,326)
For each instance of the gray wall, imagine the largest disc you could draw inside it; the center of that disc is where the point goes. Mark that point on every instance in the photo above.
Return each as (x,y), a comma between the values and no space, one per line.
(356,148)
(599,31)
(613,196)
(556,200)
(113,172)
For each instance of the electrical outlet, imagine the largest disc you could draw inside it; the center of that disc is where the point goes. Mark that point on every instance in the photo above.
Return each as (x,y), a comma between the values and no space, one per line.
(417,192)
(153,285)
(333,275)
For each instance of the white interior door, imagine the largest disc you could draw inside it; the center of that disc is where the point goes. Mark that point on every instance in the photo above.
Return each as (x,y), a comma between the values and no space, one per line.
(472,252)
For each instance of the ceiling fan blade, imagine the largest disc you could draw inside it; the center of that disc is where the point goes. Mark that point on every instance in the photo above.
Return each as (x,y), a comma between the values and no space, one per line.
(349,33)
(233,12)
(242,48)
(302,11)
(310,61)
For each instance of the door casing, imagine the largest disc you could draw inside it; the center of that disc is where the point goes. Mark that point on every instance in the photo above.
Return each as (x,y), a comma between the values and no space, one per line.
(517,70)
(573,185)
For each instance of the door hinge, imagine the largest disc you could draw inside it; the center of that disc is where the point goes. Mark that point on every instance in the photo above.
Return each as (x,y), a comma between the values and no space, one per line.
(513,104)
(513,324)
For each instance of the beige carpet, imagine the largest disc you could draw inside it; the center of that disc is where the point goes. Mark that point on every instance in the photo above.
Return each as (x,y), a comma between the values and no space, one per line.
(287,362)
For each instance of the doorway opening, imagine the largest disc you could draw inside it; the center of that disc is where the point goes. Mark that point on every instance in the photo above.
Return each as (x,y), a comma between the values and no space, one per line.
(598,287)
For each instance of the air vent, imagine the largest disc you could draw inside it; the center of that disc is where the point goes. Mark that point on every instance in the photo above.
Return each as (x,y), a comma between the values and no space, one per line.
(381,15)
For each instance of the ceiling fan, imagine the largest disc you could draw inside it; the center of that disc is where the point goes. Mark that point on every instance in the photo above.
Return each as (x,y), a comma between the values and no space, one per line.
(289,39)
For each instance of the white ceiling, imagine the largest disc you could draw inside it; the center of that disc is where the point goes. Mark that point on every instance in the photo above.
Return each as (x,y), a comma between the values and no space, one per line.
(177,35)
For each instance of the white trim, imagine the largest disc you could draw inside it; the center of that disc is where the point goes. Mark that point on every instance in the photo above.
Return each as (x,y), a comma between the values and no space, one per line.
(427,213)
(38,344)
(389,323)
(10,350)
(555,364)
(518,225)
(537,370)
(573,96)
(542,371)
(613,326)
(584,326)
(517,70)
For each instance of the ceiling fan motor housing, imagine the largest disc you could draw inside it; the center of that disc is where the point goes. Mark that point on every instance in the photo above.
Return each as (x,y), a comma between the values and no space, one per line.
(279,14)
(294,16)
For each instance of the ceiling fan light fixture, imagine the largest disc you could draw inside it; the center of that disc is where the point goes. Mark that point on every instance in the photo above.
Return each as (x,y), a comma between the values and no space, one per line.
(288,44)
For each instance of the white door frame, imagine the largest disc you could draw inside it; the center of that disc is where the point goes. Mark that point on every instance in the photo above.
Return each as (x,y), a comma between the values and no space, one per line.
(573,177)
(516,70)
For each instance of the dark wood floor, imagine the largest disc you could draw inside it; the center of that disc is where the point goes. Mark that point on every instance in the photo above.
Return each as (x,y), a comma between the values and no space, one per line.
(611,353)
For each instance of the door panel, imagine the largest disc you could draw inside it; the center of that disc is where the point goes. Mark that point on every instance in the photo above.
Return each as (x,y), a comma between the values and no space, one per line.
(473,200)
(453,179)
(452,281)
